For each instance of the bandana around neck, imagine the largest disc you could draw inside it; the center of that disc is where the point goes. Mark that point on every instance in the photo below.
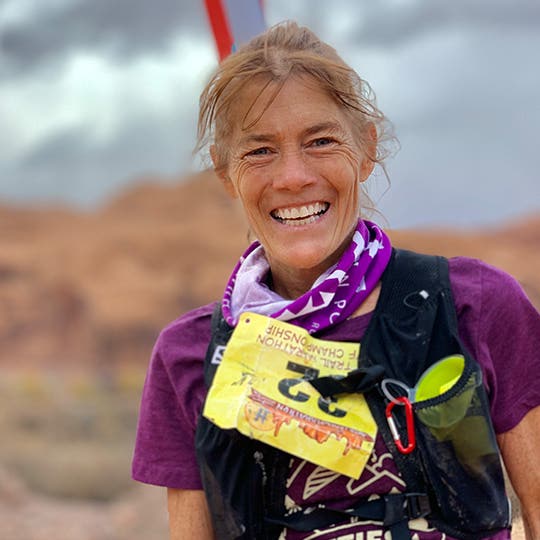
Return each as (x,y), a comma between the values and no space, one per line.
(334,296)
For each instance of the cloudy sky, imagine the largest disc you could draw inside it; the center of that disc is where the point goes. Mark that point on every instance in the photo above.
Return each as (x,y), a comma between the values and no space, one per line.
(95,94)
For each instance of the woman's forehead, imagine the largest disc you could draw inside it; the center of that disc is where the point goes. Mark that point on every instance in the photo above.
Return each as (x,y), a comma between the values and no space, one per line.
(260,99)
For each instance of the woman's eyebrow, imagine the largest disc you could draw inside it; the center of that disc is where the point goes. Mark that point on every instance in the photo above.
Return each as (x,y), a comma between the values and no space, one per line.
(329,126)
(256,138)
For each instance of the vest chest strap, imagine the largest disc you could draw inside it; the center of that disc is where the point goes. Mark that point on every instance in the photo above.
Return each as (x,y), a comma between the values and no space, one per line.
(394,511)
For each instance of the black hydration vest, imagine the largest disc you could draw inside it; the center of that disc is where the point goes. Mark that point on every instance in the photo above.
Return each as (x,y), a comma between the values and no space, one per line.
(454,477)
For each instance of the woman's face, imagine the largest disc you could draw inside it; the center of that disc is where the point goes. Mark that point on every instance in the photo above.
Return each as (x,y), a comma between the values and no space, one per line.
(297,172)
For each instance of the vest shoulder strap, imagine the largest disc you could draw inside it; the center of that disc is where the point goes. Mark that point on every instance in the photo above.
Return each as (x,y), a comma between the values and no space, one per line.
(409,273)
(221,333)
(415,298)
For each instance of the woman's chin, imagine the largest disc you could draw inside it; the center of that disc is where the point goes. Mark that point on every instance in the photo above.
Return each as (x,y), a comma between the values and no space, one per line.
(302,258)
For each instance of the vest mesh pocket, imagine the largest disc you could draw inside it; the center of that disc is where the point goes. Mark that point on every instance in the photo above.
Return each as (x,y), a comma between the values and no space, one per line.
(460,455)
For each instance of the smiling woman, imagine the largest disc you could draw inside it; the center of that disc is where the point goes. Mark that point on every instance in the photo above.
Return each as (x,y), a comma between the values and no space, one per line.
(272,414)
(298,172)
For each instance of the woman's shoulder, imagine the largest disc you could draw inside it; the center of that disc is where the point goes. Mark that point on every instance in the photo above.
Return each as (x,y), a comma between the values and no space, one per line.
(477,283)
(471,269)
(492,307)
(189,332)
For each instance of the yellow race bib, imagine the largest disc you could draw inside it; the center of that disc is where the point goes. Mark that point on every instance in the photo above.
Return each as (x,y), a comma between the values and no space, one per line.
(261,388)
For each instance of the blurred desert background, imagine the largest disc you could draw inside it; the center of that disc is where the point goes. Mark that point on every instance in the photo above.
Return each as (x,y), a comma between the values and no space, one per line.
(83,296)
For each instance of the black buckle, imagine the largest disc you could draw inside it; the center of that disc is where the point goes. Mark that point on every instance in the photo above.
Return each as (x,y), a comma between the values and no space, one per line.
(417,505)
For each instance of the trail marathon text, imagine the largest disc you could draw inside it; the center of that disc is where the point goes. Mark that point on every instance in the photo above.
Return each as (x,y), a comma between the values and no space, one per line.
(330,355)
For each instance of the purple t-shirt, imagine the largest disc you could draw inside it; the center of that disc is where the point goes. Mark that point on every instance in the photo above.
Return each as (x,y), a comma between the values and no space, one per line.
(497,323)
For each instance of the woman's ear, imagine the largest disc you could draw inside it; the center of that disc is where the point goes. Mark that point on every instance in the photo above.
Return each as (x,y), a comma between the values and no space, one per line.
(221,173)
(370,153)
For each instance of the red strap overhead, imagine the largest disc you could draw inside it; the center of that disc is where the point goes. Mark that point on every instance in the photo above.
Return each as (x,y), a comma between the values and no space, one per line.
(234,22)
(220,27)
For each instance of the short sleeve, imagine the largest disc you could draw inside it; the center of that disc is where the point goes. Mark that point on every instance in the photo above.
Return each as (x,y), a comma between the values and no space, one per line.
(172,399)
(501,327)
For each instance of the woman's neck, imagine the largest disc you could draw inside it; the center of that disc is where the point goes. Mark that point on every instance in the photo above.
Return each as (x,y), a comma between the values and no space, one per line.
(292,284)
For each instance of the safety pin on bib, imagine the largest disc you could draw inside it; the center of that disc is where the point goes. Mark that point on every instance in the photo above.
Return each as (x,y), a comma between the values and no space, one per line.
(402,400)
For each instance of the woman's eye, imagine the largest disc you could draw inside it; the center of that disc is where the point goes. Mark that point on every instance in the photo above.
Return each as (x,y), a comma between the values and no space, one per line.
(322,141)
(259,152)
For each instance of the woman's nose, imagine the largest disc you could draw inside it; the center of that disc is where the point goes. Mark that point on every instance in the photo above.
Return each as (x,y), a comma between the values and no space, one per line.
(292,172)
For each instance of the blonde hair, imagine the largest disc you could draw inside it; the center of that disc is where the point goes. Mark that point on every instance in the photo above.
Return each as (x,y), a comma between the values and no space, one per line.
(285,50)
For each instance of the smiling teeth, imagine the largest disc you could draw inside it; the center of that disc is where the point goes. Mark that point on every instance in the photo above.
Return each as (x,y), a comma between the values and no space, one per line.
(301,212)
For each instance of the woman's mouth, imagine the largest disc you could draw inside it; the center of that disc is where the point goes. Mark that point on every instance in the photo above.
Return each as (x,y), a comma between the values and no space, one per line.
(300,215)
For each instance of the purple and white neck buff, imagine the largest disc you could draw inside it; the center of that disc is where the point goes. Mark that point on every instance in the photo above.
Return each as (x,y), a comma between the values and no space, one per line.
(334,296)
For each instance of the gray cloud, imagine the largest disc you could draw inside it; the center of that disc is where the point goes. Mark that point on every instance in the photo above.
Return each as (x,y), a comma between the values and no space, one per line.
(391,24)
(121,28)
(387,23)
(84,170)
